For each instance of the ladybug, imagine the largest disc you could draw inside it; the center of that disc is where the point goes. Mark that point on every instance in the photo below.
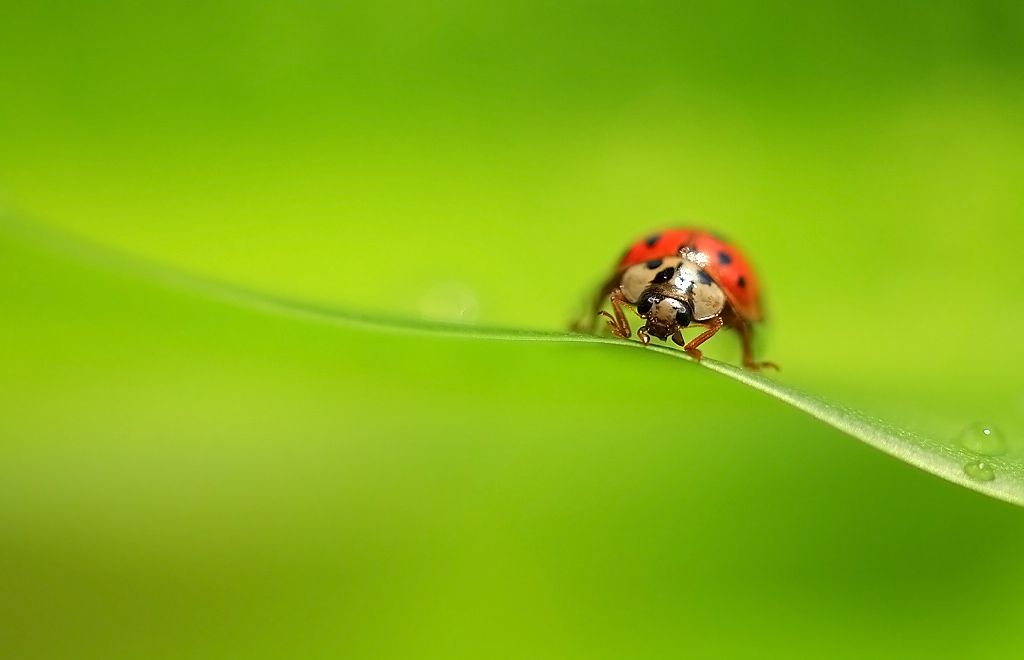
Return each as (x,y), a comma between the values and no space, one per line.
(680,278)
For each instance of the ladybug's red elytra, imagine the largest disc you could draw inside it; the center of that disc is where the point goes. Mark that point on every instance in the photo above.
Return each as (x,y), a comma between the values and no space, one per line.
(680,278)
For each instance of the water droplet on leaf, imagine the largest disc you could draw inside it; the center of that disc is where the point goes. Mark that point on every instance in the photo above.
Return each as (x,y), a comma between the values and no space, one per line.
(979,471)
(983,439)
(450,302)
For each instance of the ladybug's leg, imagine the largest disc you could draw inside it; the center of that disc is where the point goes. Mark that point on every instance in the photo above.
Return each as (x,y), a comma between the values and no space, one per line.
(645,338)
(713,326)
(586,324)
(748,351)
(618,323)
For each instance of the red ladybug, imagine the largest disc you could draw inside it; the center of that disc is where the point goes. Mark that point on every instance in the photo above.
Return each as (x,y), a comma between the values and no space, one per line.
(683,277)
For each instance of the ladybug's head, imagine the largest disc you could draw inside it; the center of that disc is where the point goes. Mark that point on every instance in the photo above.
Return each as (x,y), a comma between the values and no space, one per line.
(664,315)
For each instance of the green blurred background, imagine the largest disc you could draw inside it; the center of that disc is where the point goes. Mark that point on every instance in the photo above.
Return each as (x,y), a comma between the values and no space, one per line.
(183,478)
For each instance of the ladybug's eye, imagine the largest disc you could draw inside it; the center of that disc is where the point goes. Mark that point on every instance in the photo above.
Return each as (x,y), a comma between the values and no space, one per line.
(646,303)
(683,316)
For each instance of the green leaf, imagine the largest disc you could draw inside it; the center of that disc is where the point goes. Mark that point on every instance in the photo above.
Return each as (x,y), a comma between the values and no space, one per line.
(999,476)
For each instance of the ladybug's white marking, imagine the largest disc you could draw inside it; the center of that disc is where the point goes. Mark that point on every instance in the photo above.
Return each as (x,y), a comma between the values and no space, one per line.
(708,299)
(696,257)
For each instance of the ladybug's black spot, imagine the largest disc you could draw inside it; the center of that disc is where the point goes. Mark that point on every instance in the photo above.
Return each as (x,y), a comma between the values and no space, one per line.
(703,277)
(664,275)
(741,282)
(724,259)
(653,263)
(651,240)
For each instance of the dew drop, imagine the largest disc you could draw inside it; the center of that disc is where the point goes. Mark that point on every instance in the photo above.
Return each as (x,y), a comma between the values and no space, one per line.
(983,439)
(979,470)
(450,302)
